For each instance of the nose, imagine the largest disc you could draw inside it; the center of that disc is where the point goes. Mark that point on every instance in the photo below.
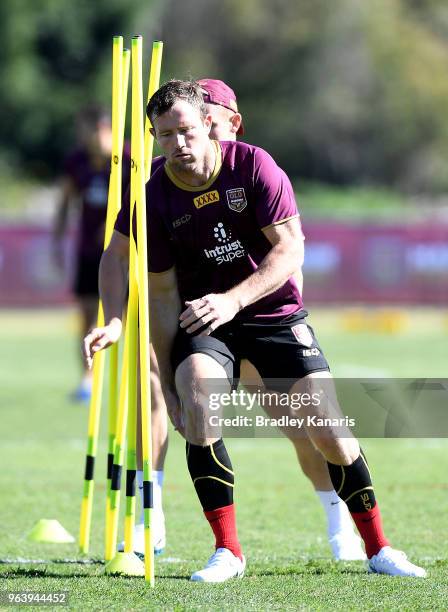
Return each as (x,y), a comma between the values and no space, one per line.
(180,141)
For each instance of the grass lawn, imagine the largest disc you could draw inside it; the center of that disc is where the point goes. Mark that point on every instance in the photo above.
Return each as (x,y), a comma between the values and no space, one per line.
(281,524)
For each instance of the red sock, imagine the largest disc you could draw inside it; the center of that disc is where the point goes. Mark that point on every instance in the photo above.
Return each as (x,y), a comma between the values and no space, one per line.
(223,522)
(370,527)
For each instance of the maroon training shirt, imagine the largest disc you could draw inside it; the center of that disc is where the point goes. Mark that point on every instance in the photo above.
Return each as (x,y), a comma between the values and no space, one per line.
(213,234)
(92,184)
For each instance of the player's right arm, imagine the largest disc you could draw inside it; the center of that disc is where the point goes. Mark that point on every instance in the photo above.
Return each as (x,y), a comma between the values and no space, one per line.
(113,283)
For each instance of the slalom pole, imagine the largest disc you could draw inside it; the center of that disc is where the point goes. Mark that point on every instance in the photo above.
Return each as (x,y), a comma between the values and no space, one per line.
(131,456)
(98,363)
(144,147)
(153,86)
(121,562)
(126,563)
(120,82)
(114,496)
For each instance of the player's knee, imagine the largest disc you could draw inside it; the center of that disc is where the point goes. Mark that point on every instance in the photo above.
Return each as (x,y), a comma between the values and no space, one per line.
(341,451)
(199,440)
(195,378)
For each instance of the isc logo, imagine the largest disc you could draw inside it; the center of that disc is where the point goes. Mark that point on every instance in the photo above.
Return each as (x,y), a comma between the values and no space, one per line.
(206,198)
(181,221)
(311,352)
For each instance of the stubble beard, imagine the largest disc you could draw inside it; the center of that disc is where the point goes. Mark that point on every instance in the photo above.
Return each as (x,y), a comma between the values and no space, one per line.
(192,170)
(183,167)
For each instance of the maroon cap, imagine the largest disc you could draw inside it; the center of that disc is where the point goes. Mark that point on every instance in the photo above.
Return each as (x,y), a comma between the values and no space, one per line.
(217,92)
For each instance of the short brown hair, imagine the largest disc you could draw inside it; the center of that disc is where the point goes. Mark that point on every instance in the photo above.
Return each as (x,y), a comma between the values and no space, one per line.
(172,91)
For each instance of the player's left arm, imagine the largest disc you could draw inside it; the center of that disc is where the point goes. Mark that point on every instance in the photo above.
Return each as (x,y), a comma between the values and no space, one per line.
(284,260)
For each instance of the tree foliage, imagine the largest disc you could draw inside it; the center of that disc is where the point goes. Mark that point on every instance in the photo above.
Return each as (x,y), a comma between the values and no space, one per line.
(55,56)
(343,91)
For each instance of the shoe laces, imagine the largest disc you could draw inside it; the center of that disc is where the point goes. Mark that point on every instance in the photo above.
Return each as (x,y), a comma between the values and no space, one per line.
(393,556)
(218,556)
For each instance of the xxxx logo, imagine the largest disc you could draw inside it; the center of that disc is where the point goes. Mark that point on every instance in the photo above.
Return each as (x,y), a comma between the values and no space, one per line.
(206,198)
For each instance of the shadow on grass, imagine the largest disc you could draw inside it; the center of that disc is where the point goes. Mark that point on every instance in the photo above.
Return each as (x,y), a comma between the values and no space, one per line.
(41,573)
(22,572)
(310,569)
(20,561)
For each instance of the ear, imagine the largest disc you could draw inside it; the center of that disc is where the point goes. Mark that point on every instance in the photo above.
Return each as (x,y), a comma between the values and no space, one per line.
(208,123)
(236,121)
(153,132)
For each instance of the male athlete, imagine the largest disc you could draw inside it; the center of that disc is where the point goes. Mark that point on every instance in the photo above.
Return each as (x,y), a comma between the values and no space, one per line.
(220,102)
(225,246)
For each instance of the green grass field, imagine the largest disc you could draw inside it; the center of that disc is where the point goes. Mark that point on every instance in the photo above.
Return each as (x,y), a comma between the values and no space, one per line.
(281,524)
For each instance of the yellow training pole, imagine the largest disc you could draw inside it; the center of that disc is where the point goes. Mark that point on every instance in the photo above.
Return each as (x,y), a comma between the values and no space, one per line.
(119,562)
(120,79)
(154,80)
(127,563)
(98,366)
(145,155)
(131,460)
(131,353)
(114,497)
(126,65)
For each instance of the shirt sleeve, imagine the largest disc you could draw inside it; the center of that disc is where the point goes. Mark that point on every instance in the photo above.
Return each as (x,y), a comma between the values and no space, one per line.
(160,249)
(160,245)
(274,195)
(122,221)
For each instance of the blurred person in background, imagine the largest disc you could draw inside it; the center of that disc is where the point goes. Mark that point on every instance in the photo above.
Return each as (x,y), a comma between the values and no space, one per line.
(85,185)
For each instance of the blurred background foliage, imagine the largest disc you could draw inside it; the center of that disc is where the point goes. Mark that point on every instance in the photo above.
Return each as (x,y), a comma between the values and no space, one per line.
(342,92)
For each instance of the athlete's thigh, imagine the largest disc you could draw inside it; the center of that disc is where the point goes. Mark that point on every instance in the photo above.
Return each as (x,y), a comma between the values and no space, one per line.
(216,348)
(201,385)
(284,352)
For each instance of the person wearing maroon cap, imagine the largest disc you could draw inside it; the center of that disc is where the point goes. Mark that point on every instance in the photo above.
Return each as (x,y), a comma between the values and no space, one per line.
(227,124)
(224,251)
(220,99)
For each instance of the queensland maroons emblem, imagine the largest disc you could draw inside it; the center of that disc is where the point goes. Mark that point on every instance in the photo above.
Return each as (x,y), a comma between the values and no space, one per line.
(302,334)
(236,199)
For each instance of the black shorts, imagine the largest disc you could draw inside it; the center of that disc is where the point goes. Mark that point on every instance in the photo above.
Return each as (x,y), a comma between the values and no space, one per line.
(86,276)
(282,351)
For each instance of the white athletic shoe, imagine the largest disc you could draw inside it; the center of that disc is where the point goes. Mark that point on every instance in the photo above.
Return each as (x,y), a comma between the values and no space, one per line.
(394,563)
(221,566)
(159,537)
(347,547)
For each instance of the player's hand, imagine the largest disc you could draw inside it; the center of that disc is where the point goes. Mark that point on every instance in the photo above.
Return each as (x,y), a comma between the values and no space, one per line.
(100,338)
(210,311)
